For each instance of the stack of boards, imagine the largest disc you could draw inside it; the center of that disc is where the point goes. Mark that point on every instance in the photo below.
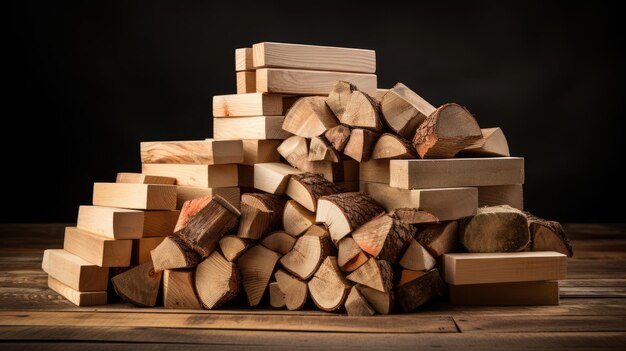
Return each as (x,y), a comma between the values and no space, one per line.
(317,189)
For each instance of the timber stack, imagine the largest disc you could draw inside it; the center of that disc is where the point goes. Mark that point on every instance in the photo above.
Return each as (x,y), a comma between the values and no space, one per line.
(317,189)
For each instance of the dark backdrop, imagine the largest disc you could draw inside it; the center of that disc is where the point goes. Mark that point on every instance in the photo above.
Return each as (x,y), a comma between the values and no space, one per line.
(87,82)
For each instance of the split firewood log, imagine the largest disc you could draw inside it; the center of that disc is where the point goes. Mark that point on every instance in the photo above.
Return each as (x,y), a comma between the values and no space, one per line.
(139,285)
(256,266)
(190,208)
(328,287)
(296,218)
(307,188)
(295,150)
(305,257)
(384,238)
(273,177)
(350,256)
(444,133)
(417,288)
(548,236)
(338,98)
(179,290)
(174,253)
(357,305)
(362,112)
(233,246)
(260,214)
(404,110)
(417,258)
(391,146)
(320,149)
(295,290)
(310,116)
(377,274)
(495,229)
(345,212)
(439,238)
(206,228)
(279,242)
(382,302)
(217,281)
(414,216)
(360,144)
(338,136)
(277,297)
(492,143)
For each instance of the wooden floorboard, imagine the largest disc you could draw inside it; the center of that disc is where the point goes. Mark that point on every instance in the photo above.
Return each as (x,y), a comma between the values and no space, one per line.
(591,315)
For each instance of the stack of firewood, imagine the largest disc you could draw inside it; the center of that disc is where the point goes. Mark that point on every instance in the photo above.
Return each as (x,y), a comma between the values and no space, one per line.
(352,197)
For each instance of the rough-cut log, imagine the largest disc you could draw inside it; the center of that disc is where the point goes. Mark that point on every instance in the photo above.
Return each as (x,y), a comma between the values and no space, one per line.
(217,281)
(440,238)
(139,285)
(277,297)
(384,238)
(377,274)
(179,290)
(404,110)
(279,241)
(495,229)
(173,253)
(448,130)
(548,236)
(338,136)
(362,112)
(417,258)
(321,150)
(357,305)
(306,256)
(257,265)
(338,98)
(296,218)
(190,208)
(206,228)
(295,150)
(309,117)
(414,216)
(417,288)
(295,290)
(350,255)
(233,246)
(392,146)
(492,143)
(260,214)
(273,177)
(343,213)
(332,171)
(360,145)
(307,188)
(382,302)
(328,288)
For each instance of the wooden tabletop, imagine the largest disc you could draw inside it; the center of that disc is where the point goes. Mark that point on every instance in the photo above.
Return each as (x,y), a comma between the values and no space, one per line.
(592,313)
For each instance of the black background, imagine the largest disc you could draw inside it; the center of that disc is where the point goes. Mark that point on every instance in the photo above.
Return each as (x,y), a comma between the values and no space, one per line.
(85,83)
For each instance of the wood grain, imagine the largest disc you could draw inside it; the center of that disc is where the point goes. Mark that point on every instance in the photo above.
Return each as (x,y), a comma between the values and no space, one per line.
(111,222)
(135,196)
(209,176)
(302,82)
(208,152)
(78,298)
(246,82)
(243,59)
(96,249)
(74,271)
(186,193)
(257,127)
(243,105)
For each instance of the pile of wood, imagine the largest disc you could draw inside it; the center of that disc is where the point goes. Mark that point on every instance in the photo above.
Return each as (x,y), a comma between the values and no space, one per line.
(317,189)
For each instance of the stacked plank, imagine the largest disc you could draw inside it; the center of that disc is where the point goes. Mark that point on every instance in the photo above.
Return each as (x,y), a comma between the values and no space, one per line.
(127,220)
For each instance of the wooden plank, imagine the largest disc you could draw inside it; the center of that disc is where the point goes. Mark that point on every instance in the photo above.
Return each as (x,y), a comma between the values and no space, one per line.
(96,249)
(503,294)
(209,176)
(142,247)
(445,203)
(530,324)
(260,151)
(125,177)
(258,127)
(246,82)
(135,196)
(374,171)
(186,193)
(111,222)
(483,268)
(74,271)
(313,57)
(329,323)
(512,195)
(78,298)
(159,223)
(445,173)
(207,152)
(243,59)
(244,105)
(301,82)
